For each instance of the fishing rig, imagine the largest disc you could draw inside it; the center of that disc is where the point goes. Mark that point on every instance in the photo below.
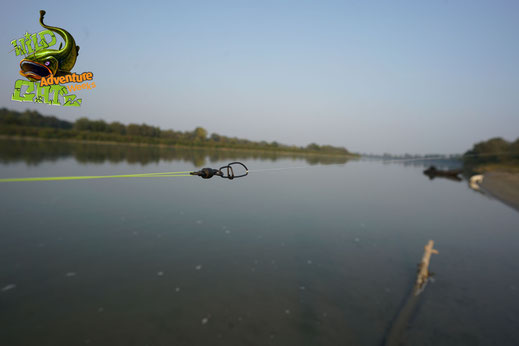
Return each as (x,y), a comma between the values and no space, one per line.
(226,172)
(207,173)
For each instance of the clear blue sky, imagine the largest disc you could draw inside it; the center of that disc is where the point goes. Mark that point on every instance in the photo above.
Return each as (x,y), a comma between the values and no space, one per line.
(384,76)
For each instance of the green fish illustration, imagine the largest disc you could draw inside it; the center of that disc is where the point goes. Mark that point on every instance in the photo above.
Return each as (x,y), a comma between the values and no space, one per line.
(47,62)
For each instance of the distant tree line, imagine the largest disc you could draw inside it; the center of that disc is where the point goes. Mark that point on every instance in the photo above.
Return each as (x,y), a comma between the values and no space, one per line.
(493,151)
(33,124)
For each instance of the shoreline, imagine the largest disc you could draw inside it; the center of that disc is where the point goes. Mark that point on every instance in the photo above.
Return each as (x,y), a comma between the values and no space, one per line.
(503,186)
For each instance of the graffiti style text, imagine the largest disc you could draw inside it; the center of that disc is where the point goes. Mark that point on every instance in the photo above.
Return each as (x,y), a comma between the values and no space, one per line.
(25,91)
(30,44)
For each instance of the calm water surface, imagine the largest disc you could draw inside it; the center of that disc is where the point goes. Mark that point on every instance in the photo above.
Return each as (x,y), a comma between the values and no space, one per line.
(324,255)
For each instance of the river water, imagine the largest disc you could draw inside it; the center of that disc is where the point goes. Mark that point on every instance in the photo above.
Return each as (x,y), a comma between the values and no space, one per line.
(320,255)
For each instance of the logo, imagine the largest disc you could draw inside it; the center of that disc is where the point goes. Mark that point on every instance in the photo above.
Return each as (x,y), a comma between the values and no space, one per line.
(47,70)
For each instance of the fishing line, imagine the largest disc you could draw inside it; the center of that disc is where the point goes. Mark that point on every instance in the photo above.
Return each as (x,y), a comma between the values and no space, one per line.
(144,175)
(378,159)
(284,168)
(226,172)
(207,173)
(341,164)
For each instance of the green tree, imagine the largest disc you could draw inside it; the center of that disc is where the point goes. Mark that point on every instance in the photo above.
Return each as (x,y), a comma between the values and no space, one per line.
(116,127)
(313,147)
(133,130)
(98,126)
(488,151)
(200,134)
(82,124)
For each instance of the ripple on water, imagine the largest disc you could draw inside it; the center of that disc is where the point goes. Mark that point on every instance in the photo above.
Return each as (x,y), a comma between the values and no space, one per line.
(8,287)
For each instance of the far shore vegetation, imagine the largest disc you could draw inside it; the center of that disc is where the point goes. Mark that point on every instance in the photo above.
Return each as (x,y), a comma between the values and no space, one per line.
(495,154)
(33,124)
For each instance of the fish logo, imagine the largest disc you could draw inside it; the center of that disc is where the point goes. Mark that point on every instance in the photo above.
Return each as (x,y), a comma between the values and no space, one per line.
(46,70)
(51,62)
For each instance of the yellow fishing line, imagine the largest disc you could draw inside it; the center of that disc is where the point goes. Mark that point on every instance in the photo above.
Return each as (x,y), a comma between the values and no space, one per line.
(143,175)
(186,172)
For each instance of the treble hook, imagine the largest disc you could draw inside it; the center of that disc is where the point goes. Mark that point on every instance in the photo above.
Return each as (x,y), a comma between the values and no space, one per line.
(207,173)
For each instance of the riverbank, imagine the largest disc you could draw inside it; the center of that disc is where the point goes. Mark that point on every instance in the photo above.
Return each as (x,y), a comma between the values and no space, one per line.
(503,186)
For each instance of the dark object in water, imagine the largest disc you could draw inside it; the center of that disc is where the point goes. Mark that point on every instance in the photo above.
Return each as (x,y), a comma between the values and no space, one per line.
(432,172)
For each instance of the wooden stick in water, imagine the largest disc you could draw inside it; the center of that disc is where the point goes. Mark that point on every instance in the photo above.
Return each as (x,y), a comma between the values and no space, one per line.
(394,337)
(423,267)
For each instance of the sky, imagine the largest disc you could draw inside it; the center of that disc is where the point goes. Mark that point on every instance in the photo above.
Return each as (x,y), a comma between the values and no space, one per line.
(372,76)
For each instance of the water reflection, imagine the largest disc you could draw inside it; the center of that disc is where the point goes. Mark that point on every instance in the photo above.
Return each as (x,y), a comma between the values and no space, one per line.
(321,257)
(34,152)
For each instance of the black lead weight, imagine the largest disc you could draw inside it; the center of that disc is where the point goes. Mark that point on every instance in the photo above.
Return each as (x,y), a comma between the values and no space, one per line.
(207,172)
